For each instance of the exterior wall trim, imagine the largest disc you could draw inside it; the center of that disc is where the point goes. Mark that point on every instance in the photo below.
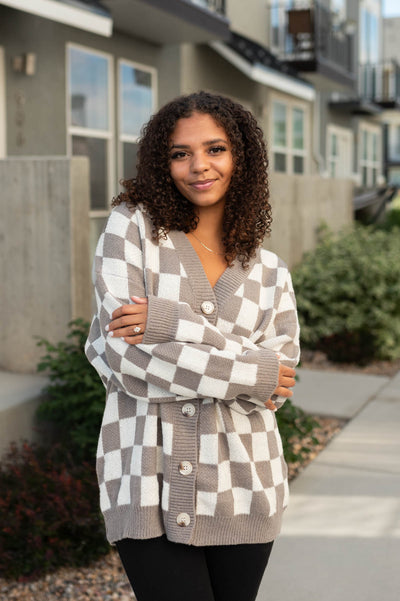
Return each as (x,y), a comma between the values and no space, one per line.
(266,76)
(3,120)
(73,16)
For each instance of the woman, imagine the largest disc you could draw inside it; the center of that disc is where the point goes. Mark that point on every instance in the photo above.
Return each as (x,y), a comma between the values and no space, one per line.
(192,476)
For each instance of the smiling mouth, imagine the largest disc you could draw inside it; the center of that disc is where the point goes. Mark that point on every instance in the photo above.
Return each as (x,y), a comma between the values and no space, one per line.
(202,185)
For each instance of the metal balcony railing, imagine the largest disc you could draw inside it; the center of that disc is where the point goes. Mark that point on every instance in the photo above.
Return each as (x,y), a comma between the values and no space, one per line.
(310,33)
(380,83)
(217,6)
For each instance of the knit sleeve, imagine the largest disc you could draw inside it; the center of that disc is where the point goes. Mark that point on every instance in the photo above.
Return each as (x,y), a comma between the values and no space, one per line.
(283,332)
(172,320)
(205,367)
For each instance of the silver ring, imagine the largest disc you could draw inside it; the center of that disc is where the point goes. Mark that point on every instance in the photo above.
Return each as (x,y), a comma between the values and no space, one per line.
(136,329)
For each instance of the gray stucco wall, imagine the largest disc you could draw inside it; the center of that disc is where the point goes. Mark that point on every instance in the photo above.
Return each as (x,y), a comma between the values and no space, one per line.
(44,249)
(36,105)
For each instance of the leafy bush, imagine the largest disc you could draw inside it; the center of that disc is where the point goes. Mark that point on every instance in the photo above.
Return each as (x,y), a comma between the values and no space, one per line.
(392,219)
(75,398)
(348,295)
(49,512)
(295,425)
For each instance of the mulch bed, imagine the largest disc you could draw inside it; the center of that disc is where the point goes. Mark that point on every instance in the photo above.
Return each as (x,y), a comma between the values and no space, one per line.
(105,579)
(318,360)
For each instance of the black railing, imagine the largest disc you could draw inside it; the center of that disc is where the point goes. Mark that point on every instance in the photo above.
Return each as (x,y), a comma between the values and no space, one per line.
(217,6)
(380,82)
(311,33)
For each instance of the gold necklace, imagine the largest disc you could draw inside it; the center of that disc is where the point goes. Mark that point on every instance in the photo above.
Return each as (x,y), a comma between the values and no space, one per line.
(206,247)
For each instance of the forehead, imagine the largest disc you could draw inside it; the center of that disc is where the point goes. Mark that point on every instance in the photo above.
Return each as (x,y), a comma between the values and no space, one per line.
(198,126)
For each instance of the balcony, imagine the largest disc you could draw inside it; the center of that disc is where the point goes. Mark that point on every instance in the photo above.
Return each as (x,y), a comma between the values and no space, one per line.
(380,83)
(217,6)
(172,22)
(313,39)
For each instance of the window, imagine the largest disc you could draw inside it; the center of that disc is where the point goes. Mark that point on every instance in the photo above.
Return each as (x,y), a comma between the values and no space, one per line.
(288,138)
(90,118)
(370,41)
(280,40)
(339,151)
(137,101)
(370,162)
(2,105)
(394,142)
(90,126)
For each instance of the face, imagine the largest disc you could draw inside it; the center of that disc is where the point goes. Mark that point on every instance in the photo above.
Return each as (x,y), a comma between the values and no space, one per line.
(201,163)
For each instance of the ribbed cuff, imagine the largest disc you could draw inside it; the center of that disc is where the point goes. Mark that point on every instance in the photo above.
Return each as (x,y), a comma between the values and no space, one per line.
(162,320)
(267,374)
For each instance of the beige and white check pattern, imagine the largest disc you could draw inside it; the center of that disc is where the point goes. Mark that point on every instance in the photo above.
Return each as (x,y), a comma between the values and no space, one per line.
(224,364)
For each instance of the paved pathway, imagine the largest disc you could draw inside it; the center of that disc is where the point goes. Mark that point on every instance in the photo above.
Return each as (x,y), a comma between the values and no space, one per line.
(341,535)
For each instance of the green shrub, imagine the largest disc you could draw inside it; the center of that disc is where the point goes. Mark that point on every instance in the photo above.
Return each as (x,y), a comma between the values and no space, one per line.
(348,295)
(294,426)
(49,512)
(75,398)
(392,219)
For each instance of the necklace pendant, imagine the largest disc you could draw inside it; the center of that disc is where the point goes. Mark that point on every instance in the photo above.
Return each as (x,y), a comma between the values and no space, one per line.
(210,250)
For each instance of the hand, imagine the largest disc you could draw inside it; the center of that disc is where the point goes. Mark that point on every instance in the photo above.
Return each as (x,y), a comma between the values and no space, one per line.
(126,319)
(285,382)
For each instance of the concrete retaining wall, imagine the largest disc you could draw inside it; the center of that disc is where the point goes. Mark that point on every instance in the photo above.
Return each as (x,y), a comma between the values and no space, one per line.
(44,254)
(300,204)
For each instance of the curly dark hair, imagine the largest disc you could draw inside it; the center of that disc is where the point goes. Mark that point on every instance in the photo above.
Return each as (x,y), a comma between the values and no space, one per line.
(247,212)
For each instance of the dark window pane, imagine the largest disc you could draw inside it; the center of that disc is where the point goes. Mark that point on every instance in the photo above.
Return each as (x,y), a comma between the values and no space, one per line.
(96,150)
(137,99)
(280,162)
(364,173)
(89,89)
(130,159)
(298,165)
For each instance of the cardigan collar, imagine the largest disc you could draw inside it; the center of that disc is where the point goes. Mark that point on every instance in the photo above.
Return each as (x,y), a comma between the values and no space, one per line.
(228,282)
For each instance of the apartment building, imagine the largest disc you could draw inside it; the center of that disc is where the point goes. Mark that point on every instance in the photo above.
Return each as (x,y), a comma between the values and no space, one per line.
(81,77)
(390,86)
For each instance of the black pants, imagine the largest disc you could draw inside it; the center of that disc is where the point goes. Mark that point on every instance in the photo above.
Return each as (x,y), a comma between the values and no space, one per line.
(160,570)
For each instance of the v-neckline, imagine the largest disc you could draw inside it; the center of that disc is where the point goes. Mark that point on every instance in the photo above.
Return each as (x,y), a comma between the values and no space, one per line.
(227,283)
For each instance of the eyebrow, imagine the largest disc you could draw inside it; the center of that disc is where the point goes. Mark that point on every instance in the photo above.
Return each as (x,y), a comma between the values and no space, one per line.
(208,143)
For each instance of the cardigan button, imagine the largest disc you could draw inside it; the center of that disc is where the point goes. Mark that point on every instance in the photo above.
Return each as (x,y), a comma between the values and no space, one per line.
(188,409)
(183,519)
(207,307)
(185,468)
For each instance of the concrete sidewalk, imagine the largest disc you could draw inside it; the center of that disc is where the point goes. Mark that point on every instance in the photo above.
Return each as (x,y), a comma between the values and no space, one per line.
(341,534)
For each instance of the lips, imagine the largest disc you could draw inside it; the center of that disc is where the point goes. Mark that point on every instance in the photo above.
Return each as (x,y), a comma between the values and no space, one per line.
(202,184)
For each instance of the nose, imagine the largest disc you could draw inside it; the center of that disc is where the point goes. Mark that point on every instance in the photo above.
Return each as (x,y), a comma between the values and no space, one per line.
(200,162)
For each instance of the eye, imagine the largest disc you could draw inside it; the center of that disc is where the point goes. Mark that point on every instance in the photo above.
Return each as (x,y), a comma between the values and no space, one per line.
(216,149)
(179,154)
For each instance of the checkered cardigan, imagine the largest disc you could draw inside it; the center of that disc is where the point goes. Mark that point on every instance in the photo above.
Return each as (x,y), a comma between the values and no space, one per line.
(187,446)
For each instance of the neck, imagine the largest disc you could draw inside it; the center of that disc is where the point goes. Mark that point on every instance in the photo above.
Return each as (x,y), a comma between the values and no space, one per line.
(210,221)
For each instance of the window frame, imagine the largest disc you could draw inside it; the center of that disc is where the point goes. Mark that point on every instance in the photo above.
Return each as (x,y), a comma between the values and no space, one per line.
(129,138)
(108,135)
(345,135)
(289,151)
(369,163)
(3,114)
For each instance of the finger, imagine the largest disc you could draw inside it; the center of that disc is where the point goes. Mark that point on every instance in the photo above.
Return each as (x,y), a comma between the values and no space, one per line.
(287,371)
(282,391)
(287,382)
(132,330)
(139,300)
(133,318)
(133,339)
(270,405)
(124,310)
